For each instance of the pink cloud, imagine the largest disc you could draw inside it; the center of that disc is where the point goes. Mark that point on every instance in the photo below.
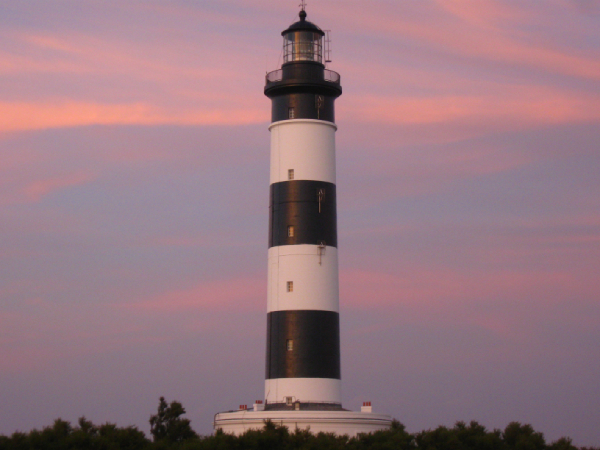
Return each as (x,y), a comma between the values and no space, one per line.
(514,308)
(495,20)
(240,293)
(48,42)
(113,54)
(428,289)
(13,64)
(40,332)
(418,170)
(195,93)
(17,188)
(141,83)
(183,241)
(19,358)
(40,188)
(35,116)
(482,30)
(484,14)
(515,107)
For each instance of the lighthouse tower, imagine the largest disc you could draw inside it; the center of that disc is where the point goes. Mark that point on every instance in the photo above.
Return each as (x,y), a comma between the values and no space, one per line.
(303,376)
(303,336)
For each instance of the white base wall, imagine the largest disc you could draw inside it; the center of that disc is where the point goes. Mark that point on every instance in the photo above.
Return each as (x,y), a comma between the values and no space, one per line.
(338,422)
(305,390)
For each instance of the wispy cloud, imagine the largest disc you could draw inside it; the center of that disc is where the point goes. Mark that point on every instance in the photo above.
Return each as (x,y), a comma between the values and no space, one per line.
(482,31)
(20,187)
(514,107)
(240,293)
(36,116)
(40,188)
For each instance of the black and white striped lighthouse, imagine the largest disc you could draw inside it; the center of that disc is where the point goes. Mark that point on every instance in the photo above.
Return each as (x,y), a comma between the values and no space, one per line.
(303,344)
(303,377)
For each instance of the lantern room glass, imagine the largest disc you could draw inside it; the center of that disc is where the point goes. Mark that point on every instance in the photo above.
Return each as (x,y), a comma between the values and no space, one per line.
(302,46)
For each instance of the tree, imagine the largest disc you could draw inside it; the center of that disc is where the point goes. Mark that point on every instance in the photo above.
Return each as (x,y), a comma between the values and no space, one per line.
(462,437)
(396,438)
(167,425)
(564,443)
(523,437)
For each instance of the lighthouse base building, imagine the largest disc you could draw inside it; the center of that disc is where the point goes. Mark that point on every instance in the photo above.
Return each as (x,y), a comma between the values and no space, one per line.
(338,422)
(303,371)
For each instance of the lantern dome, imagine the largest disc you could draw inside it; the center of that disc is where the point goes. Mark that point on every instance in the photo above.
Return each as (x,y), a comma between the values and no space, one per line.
(303,41)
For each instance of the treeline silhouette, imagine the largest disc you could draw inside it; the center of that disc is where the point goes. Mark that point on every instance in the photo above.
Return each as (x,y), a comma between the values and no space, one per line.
(171,431)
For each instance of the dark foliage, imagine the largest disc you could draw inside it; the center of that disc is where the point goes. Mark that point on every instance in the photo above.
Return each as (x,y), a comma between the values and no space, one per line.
(171,432)
(461,437)
(62,436)
(168,425)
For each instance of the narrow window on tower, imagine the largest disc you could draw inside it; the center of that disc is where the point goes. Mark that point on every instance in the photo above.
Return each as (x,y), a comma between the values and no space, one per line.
(289,344)
(291,113)
(290,286)
(290,174)
(291,231)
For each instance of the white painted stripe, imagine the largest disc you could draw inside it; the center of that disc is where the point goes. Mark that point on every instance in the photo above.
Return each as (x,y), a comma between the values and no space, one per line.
(315,286)
(303,389)
(307,146)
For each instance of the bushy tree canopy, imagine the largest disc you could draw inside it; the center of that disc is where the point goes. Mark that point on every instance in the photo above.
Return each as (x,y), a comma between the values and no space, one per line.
(168,425)
(172,432)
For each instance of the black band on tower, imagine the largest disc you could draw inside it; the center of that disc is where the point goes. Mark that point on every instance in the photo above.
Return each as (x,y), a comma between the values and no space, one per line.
(303,77)
(309,207)
(303,344)
(303,106)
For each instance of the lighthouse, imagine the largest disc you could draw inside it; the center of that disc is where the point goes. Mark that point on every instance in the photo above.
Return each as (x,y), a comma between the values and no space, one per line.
(303,372)
(303,336)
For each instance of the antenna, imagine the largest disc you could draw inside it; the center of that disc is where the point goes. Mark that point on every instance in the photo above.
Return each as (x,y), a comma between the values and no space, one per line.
(302,5)
(327,46)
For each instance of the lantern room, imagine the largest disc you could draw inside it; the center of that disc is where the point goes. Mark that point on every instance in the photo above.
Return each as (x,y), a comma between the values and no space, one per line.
(303,41)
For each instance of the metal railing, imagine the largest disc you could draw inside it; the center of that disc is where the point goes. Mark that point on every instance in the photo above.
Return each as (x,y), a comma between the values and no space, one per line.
(329,75)
(332,76)
(274,76)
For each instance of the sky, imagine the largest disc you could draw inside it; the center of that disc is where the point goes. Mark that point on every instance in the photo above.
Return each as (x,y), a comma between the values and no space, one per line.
(134,161)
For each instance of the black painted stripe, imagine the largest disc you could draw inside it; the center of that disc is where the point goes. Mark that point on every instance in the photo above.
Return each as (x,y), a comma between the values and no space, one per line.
(316,344)
(308,206)
(304,105)
(303,77)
